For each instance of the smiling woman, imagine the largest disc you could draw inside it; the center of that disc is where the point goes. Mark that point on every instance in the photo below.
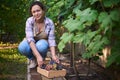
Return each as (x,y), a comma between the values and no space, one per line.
(39,36)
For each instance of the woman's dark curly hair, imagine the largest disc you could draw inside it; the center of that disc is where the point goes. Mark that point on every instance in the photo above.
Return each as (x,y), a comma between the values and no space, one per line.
(39,4)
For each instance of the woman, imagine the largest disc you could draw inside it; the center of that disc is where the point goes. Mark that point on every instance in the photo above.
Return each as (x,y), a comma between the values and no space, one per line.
(35,47)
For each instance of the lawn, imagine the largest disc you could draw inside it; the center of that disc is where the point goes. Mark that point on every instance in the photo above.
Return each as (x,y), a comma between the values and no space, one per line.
(12,65)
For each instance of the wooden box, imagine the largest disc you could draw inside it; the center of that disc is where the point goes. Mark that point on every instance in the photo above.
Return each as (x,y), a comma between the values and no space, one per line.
(52,73)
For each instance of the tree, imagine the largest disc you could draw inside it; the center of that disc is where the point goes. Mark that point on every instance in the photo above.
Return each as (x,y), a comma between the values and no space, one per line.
(94,23)
(12,17)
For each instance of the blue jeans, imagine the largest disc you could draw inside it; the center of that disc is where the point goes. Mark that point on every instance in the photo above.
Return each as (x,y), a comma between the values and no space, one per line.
(41,45)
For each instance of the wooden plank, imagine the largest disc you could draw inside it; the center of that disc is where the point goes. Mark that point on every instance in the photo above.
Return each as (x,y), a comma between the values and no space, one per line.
(45,78)
(59,78)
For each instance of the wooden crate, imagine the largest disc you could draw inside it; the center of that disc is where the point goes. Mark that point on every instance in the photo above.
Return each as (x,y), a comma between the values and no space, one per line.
(52,73)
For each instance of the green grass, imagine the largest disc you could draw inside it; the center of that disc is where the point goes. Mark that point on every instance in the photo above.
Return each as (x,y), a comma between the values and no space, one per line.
(12,65)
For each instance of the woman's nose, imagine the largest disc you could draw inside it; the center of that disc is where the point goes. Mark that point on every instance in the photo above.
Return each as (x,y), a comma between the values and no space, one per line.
(36,12)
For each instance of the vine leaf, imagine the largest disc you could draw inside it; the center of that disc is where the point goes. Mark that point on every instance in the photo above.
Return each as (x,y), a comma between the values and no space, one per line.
(66,37)
(115,15)
(93,1)
(109,3)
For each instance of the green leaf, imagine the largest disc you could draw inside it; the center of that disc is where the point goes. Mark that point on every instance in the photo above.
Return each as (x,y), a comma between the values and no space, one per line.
(66,37)
(112,58)
(87,15)
(109,3)
(88,37)
(79,38)
(93,1)
(68,4)
(83,18)
(71,24)
(105,40)
(105,21)
(86,55)
(61,45)
(115,15)
(60,3)
(102,16)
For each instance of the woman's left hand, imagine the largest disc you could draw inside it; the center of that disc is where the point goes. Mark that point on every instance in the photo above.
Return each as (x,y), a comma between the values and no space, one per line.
(56,59)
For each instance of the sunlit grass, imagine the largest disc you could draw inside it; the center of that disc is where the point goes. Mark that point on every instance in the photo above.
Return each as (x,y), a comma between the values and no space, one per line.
(8,44)
(12,65)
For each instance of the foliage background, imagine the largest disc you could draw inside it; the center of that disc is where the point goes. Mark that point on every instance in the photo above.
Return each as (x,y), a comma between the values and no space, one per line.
(13,15)
(93,23)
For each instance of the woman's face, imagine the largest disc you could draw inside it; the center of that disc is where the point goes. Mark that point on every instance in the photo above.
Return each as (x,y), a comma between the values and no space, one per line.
(37,12)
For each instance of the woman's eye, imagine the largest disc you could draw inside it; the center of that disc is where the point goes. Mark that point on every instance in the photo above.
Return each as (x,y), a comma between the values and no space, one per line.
(33,12)
(37,10)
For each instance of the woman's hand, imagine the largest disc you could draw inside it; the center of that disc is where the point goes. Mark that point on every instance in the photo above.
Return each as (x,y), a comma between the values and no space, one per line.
(40,61)
(56,59)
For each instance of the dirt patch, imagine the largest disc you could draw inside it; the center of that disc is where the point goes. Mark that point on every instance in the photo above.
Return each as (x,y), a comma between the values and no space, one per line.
(85,71)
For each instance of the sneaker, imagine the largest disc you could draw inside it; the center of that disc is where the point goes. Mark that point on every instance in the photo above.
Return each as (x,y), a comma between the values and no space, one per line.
(32,63)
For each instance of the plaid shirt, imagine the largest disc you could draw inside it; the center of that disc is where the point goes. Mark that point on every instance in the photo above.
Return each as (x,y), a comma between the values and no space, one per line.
(49,29)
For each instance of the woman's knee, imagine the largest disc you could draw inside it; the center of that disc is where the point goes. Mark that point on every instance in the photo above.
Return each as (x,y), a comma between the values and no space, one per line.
(24,47)
(42,46)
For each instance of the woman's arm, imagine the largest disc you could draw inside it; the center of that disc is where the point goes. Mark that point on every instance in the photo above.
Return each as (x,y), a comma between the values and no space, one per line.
(36,54)
(54,57)
(51,40)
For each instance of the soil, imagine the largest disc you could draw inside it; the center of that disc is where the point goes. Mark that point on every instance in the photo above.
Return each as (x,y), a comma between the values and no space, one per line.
(86,70)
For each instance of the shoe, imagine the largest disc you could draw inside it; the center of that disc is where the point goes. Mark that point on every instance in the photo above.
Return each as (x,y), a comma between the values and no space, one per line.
(32,63)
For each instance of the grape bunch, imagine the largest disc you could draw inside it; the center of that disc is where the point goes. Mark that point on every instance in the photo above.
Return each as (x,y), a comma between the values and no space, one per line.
(52,66)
